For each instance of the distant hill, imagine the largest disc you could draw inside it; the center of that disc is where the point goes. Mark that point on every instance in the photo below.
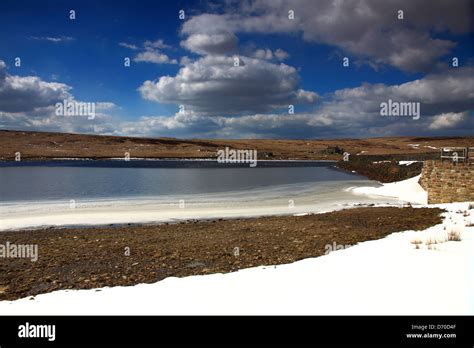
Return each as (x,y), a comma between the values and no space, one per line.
(43,145)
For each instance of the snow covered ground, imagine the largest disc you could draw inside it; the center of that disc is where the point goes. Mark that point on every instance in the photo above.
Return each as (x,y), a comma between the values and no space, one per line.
(408,163)
(407,190)
(411,273)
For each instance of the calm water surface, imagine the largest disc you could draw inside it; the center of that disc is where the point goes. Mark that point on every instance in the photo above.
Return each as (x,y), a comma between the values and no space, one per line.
(40,181)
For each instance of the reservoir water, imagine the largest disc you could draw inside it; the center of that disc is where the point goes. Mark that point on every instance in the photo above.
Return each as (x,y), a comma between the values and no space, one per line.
(40,181)
(79,193)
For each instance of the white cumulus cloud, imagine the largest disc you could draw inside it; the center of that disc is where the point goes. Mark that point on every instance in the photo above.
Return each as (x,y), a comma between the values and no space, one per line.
(213,85)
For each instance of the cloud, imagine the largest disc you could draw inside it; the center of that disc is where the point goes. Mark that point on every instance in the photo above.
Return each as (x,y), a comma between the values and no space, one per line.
(448,91)
(185,60)
(45,120)
(216,43)
(151,52)
(23,94)
(281,54)
(3,71)
(263,54)
(147,45)
(28,102)
(212,85)
(268,54)
(155,57)
(129,46)
(367,29)
(53,39)
(190,124)
(159,43)
(448,120)
(358,109)
(446,99)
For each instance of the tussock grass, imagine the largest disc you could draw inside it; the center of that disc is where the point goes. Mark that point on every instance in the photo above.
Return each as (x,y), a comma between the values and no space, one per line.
(454,235)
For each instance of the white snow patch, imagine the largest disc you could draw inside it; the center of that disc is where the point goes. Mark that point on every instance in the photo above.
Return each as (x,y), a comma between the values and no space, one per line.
(407,163)
(407,190)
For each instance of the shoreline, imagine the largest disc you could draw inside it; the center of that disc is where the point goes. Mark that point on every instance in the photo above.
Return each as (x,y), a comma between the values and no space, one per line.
(96,257)
(332,196)
(273,201)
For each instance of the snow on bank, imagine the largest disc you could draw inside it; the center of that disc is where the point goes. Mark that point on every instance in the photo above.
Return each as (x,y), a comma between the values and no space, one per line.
(407,273)
(408,163)
(387,276)
(401,163)
(407,190)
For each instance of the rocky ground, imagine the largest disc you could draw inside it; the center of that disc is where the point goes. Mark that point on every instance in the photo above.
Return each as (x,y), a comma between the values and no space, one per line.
(80,258)
(386,168)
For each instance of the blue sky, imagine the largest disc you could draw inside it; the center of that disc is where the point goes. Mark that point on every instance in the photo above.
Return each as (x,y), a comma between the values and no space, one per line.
(285,62)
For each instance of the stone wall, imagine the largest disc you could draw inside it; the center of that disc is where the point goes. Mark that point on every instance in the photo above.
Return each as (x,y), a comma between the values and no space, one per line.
(447,181)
